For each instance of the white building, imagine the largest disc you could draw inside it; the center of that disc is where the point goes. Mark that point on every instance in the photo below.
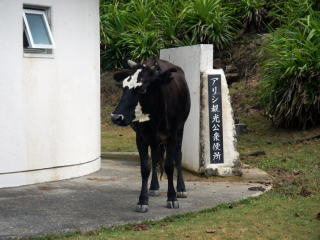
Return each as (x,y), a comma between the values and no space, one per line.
(49,90)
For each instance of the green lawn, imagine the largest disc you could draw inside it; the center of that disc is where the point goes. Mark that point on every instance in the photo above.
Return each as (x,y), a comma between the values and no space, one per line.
(115,138)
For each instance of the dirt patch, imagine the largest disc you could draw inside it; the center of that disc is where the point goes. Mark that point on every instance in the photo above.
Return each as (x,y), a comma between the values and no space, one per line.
(46,188)
(305,192)
(110,89)
(283,177)
(138,227)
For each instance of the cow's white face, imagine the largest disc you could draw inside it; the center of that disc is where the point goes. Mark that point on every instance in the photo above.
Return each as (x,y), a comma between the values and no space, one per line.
(129,109)
(131,82)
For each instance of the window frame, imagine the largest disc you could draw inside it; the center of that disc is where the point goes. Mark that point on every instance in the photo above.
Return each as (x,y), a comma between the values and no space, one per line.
(28,31)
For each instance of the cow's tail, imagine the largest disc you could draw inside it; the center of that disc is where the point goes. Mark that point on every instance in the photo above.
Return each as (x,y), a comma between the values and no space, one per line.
(161,159)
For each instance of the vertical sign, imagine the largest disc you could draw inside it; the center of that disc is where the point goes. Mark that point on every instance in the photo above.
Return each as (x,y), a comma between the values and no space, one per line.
(215,119)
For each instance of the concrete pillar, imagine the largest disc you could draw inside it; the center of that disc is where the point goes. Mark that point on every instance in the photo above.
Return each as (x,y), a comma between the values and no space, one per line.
(209,136)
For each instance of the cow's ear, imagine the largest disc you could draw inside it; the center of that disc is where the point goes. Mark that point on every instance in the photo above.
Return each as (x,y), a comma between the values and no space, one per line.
(166,76)
(120,76)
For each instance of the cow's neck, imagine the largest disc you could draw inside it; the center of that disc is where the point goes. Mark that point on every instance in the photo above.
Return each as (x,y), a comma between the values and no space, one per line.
(152,104)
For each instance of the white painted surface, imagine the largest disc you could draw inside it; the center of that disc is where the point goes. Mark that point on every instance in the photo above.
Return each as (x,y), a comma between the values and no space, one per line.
(48,175)
(196,61)
(50,105)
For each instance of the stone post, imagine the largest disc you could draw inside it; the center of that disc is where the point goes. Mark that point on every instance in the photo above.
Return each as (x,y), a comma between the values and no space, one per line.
(209,134)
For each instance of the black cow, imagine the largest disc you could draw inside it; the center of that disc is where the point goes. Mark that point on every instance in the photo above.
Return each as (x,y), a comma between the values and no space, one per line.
(156,103)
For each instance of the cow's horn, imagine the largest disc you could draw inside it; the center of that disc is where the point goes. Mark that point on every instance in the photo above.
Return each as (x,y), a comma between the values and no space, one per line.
(132,63)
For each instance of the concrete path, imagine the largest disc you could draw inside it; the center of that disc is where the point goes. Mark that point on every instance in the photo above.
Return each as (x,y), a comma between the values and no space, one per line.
(109,197)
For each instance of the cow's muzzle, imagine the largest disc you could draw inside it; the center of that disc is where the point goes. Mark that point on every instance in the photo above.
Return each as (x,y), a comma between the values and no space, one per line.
(117,119)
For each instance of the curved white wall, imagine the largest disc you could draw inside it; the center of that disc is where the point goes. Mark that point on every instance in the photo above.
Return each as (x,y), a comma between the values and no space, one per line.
(49,106)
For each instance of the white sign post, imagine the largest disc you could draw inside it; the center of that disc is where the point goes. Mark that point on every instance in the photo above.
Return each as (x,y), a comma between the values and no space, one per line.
(209,136)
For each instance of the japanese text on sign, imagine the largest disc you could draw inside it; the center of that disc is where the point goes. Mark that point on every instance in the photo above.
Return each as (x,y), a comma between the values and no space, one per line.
(215,119)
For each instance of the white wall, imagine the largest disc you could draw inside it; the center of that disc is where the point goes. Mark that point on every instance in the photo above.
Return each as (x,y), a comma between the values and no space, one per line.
(49,106)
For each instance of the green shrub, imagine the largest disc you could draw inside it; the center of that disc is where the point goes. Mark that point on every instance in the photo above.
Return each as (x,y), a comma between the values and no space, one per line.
(170,16)
(251,13)
(112,26)
(138,29)
(291,73)
(209,21)
(290,11)
(128,32)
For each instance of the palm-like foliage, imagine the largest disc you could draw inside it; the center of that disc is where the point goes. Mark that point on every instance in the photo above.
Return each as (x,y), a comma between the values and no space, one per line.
(253,12)
(138,29)
(291,69)
(112,26)
(288,12)
(209,22)
(170,17)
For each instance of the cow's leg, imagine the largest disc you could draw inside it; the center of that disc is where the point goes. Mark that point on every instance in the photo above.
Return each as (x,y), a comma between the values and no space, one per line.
(156,157)
(142,205)
(172,201)
(181,188)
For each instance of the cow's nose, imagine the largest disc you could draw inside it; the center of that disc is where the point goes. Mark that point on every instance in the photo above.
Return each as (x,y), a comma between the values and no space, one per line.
(116,118)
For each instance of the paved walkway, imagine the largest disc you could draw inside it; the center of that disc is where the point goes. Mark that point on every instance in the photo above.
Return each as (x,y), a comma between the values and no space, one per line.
(107,198)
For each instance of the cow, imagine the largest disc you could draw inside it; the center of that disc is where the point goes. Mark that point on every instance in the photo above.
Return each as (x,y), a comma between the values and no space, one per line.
(156,103)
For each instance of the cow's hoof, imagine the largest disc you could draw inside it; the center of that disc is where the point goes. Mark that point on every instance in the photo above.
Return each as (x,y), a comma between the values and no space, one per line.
(172,204)
(182,194)
(142,208)
(154,193)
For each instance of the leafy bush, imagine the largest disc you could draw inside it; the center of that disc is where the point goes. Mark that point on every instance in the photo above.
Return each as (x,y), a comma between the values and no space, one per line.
(208,21)
(170,16)
(288,12)
(291,73)
(138,29)
(251,13)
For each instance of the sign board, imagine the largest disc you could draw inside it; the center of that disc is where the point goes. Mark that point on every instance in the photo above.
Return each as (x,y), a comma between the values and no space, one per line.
(215,119)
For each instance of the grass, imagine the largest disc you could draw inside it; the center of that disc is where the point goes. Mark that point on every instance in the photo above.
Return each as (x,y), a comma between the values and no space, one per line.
(115,138)
(271,216)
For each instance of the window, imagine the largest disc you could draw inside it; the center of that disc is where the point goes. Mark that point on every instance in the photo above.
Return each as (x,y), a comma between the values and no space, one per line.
(37,35)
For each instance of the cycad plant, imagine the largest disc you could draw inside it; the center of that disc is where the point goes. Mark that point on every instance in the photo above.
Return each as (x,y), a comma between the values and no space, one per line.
(291,73)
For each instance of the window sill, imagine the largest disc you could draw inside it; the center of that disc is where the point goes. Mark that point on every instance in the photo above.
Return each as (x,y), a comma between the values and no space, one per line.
(38,55)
